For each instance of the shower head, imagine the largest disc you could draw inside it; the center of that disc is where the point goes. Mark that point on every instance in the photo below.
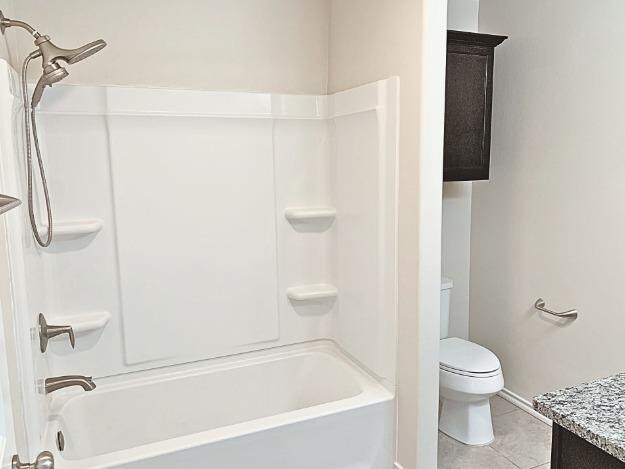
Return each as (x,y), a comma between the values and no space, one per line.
(87,51)
(51,55)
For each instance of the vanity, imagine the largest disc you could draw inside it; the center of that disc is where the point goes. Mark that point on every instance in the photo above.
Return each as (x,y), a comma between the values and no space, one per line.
(588,424)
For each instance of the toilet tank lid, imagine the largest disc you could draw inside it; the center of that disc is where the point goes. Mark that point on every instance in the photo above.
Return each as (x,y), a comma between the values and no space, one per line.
(462,355)
(446,283)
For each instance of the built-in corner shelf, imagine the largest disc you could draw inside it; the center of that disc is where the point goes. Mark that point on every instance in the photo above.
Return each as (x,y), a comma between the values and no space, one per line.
(312,292)
(65,230)
(310,214)
(85,323)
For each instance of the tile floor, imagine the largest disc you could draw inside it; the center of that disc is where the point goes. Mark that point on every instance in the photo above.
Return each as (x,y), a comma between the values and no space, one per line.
(521,442)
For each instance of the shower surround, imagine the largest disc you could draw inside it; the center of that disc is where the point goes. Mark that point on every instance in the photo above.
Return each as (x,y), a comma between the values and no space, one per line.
(244,239)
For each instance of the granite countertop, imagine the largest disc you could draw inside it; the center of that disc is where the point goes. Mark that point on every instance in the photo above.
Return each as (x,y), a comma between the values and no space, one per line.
(594,411)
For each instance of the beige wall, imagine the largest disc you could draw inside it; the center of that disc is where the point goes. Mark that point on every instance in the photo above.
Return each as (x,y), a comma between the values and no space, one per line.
(456,243)
(371,40)
(456,252)
(249,45)
(551,222)
(463,15)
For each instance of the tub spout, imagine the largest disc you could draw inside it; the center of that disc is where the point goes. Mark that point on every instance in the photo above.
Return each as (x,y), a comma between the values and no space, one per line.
(60,382)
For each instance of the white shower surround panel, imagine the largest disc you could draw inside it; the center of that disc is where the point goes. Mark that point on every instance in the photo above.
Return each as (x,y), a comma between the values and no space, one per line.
(183,227)
(196,235)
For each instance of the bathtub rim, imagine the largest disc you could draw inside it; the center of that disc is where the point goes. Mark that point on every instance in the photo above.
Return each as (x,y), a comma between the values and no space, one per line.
(372,392)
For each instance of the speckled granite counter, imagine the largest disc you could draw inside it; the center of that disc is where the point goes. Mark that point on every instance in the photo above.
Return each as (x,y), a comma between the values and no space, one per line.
(594,411)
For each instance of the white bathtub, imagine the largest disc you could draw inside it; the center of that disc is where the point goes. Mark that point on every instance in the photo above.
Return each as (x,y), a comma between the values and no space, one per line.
(303,407)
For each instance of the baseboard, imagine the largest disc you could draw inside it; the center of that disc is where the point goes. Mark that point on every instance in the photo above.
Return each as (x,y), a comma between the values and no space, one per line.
(398,466)
(522,404)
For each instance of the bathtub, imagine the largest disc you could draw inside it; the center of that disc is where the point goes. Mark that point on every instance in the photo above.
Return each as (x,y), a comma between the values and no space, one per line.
(299,407)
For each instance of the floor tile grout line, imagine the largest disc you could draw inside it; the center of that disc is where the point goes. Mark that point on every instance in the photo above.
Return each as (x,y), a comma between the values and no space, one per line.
(517,409)
(504,456)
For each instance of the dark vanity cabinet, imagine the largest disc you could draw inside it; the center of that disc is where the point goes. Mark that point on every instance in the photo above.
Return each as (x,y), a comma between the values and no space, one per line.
(468,105)
(569,451)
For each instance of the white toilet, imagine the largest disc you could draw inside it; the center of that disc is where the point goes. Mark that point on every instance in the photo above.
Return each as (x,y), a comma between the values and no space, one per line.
(469,375)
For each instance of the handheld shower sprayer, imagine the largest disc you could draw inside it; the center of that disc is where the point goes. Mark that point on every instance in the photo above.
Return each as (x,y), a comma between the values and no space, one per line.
(51,58)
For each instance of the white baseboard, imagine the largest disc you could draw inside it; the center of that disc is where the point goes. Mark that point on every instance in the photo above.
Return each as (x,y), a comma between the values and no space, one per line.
(398,466)
(522,404)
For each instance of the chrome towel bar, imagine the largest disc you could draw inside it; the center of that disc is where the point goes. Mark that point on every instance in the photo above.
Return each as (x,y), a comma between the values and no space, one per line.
(540,305)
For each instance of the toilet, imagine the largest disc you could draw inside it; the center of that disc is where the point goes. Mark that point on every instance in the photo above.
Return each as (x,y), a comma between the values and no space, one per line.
(469,375)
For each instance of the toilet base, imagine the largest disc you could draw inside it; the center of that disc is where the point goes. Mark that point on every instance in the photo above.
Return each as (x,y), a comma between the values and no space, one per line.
(469,422)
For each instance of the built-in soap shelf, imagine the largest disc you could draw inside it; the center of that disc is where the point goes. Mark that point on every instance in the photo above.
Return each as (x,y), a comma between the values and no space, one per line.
(309,214)
(64,230)
(312,292)
(84,323)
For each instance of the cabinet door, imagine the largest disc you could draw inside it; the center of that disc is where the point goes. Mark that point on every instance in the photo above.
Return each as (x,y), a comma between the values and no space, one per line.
(569,451)
(468,112)
(468,105)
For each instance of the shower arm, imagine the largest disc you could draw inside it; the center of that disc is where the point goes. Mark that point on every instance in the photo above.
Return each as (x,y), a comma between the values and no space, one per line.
(7,23)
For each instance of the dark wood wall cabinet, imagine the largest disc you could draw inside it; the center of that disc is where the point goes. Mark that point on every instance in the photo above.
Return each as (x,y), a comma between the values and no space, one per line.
(468,104)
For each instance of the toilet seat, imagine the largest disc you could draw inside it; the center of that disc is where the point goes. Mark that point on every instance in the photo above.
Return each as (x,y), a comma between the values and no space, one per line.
(471,374)
(465,358)
(462,387)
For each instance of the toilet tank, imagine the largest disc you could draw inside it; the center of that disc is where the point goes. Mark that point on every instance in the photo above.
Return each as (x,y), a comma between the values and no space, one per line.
(446,286)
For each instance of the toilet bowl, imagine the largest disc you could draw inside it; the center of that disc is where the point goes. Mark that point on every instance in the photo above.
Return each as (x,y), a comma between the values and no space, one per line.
(469,375)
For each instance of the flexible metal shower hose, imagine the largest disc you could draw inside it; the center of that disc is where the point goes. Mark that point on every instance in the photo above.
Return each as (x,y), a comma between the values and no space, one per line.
(29,118)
